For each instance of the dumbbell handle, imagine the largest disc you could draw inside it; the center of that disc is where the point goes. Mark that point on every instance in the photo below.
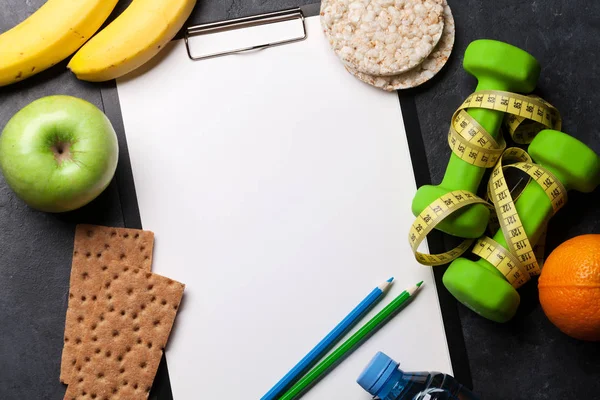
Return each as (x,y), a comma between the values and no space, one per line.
(460,174)
(533,207)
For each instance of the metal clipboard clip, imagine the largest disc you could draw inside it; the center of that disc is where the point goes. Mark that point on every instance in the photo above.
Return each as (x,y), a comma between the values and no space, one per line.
(246,22)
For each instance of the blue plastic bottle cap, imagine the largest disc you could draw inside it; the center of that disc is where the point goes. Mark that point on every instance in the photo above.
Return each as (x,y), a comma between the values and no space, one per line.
(376,374)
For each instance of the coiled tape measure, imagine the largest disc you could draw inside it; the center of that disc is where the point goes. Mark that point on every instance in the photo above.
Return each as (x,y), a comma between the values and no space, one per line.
(526,116)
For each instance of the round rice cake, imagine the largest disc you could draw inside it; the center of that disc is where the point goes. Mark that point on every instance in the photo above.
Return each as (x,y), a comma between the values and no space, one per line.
(423,72)
(383,37)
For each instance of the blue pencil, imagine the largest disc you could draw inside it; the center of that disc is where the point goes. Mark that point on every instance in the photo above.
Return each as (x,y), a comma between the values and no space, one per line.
(330,340)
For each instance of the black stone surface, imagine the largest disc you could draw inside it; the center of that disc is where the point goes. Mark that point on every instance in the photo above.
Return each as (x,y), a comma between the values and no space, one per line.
(526,358)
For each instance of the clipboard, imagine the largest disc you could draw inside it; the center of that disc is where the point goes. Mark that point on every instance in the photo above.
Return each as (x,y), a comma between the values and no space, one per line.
(129,201)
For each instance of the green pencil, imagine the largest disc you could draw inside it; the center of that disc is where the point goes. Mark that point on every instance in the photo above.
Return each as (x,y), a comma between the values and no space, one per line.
(351,344)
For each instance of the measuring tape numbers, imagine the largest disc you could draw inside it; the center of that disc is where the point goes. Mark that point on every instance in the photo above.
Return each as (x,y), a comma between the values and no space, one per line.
(508,217)
(431,216)
(526,116)
(503,260)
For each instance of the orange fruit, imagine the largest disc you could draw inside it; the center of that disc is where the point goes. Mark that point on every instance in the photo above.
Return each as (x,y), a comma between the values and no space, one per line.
(570,287)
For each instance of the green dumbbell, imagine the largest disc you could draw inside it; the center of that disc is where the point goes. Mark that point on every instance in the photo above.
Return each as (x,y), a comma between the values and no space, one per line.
(479,285)
(497,66)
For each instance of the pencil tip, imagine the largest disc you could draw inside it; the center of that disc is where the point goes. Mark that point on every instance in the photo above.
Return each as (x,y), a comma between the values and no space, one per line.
(391,279)
(419,284)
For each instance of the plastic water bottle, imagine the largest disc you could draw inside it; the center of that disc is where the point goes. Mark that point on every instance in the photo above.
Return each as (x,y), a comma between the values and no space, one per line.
(384,380)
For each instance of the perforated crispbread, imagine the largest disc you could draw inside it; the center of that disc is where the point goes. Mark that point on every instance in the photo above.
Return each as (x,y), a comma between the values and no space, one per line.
(124,335)
(95,248)
(382,37)
(423,72)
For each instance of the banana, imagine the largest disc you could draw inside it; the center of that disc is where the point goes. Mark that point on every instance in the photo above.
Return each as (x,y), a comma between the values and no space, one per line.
(132,39)
(51,34)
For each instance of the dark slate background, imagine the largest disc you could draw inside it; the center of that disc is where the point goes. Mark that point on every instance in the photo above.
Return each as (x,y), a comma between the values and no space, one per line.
(526,358)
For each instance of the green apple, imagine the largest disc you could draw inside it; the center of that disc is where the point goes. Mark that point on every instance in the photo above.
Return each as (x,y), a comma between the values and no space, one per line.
(58,153)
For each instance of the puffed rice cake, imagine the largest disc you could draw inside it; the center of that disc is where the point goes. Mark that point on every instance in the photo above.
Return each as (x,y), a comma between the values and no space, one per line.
(423,72)
(383,37)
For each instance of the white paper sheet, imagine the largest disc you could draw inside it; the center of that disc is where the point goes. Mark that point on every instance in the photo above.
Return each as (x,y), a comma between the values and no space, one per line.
(279,188)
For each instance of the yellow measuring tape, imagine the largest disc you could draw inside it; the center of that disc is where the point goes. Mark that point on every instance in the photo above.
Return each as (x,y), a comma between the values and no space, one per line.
(512,228)
(432,216)
(502,259)
(526,116)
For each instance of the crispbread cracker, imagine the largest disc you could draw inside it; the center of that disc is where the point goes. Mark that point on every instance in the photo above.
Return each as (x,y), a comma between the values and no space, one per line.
(423,72)
(382,37)
(95,248)
(125,335)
